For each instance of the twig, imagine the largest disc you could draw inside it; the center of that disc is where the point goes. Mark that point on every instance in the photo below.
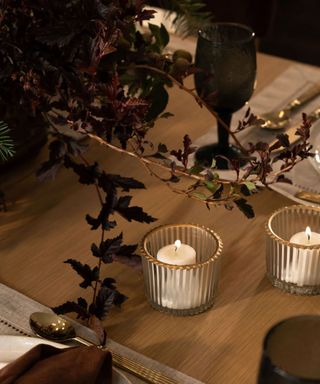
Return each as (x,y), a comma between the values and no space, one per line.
(95,183)
(84,160)
(145,160)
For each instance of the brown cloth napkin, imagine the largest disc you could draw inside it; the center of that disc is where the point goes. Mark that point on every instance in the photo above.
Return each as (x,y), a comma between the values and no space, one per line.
(45,364)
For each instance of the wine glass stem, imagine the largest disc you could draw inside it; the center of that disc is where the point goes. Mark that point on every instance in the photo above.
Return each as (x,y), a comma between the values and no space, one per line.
(223,134)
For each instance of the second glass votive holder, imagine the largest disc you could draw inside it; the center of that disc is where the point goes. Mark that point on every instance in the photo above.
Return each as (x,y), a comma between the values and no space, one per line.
(182,289)
(294,267)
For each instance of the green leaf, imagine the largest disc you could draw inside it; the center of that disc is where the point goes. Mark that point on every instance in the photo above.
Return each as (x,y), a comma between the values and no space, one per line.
(248,188)
(213,187)
(200,196)
(251,186)
(216,176)
(196,169)
(214,163)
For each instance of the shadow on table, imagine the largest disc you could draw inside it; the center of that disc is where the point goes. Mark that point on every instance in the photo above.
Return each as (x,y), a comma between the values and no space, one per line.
(228,295)
(180,351)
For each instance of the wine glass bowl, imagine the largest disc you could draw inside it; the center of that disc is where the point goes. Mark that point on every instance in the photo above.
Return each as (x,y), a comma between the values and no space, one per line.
(225,77)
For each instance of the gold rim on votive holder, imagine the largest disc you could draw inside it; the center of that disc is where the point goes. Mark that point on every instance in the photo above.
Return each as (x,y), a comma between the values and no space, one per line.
(294,268)
(181,289)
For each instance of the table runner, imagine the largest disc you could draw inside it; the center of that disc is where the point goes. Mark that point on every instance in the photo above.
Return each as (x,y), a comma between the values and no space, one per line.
(15,309)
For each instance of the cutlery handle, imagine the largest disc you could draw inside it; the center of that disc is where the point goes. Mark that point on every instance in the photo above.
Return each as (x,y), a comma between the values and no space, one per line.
(308,196)
(80,340)
(148,375)
(304,97)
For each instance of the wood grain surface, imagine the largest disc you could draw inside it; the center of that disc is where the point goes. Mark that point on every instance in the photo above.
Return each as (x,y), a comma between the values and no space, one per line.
(45,225)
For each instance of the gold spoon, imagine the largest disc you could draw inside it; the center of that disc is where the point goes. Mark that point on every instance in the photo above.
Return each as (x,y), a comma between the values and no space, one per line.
(291,132)
(312,197)
(53,327)
(279,119)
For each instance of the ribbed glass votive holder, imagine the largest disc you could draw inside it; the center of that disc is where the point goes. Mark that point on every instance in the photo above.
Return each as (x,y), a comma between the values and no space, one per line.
(292,267)
(182,289)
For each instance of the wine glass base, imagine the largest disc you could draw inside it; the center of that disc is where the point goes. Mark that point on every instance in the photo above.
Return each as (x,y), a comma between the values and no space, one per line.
(205,155)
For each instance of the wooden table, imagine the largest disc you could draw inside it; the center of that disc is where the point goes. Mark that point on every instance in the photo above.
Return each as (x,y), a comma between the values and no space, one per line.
(45,225)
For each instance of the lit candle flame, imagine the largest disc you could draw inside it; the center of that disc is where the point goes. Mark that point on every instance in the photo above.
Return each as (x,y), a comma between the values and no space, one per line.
(177,245)
(308,233)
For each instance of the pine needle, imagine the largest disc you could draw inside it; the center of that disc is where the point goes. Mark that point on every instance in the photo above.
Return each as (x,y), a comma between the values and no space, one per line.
(190,15)
(6,143)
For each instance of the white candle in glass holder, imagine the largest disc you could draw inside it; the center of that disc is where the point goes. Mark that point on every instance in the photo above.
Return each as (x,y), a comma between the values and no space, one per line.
(306,238)
(177,254)
(172,294)
(305,269)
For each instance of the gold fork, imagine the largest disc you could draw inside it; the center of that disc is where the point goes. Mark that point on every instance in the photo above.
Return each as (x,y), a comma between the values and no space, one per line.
(279,119)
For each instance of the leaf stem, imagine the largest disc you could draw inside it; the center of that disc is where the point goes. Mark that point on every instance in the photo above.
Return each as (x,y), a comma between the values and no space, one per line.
(95,288)
(95,183)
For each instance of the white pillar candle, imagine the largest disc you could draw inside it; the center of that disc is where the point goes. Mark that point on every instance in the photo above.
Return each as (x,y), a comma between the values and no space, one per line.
(304,268)
(177,254)
(175,292)
(306,238)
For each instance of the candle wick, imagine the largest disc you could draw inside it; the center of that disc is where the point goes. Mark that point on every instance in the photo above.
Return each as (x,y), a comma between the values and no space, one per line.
(309,236)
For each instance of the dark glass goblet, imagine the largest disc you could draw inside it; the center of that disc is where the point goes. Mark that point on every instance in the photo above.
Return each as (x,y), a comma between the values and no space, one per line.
(226,62)
(291,352)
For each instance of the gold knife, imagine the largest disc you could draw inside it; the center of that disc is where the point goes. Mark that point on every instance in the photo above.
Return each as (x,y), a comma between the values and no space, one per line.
(308,196)
(313,116)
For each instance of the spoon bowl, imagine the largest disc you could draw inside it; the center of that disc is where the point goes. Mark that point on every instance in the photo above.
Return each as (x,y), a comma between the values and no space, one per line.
(276,119)
(53,327)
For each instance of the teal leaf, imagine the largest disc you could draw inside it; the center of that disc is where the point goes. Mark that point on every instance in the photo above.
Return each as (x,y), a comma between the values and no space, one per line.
(166,115)
(161,35)
(162,148)
(158,97)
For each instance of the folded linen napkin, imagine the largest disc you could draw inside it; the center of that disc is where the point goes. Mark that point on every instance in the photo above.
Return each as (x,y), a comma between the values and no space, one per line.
(45,364)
